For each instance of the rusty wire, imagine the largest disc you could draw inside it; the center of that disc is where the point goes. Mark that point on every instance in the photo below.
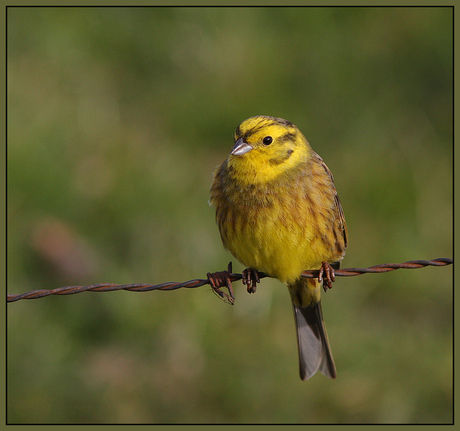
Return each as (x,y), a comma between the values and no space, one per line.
(141,287)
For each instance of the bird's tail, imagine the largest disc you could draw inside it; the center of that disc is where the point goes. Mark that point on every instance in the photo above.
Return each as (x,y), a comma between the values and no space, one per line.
(314,350)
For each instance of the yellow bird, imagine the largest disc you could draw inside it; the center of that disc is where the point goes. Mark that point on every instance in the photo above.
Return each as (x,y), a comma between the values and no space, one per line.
(278,212)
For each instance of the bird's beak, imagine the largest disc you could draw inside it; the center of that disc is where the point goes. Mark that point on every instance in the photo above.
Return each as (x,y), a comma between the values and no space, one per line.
(240,148)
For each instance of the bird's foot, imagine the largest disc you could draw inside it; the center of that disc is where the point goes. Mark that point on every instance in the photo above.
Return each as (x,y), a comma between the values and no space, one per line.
(250,279)
(329,275)
(222,279)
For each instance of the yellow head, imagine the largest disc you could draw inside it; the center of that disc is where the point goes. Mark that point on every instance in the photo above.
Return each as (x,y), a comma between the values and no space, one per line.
(266,147)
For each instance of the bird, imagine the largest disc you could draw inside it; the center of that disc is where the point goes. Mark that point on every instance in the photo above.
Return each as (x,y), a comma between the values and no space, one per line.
(278,213)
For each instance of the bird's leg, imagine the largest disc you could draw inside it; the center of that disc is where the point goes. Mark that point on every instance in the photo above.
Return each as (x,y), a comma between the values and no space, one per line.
(222,279)
(327,270)
(250,279)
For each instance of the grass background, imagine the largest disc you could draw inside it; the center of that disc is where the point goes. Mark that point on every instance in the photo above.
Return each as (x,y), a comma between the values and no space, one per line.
(117,118)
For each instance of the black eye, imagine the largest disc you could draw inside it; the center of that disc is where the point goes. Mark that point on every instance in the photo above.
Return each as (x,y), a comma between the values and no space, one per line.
(267,140)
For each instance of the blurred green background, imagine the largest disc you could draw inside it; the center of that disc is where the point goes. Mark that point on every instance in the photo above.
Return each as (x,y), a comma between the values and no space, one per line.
(117,118)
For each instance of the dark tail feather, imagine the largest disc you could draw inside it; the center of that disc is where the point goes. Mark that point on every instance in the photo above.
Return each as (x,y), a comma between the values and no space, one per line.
(314,350)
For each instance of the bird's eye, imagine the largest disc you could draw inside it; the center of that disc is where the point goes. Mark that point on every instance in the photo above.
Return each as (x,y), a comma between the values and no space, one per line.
(267,140)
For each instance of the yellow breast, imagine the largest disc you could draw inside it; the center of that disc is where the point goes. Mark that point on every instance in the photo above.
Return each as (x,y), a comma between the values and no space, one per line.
(274,227)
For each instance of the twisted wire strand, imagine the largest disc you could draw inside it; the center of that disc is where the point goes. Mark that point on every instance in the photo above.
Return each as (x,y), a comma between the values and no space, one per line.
(142,287)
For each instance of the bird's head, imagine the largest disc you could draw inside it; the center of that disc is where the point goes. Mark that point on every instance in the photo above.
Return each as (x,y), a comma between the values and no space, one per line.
(266,147)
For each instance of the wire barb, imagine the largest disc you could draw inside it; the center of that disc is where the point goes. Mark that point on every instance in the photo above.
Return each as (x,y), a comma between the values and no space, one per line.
(220,279)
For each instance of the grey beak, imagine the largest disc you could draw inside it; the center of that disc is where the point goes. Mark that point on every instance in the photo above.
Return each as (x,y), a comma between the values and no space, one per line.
(240,148)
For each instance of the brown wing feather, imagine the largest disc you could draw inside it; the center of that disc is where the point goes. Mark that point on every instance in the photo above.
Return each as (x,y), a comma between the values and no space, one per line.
(340,216)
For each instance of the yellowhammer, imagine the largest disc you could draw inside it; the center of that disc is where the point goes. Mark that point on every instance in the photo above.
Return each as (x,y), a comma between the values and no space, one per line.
(278,212)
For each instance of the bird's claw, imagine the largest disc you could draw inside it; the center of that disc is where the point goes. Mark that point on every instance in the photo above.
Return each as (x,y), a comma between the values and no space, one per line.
(326,270)
(222,279)
(250,279)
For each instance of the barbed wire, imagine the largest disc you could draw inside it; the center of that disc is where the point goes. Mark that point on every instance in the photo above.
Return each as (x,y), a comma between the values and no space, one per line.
(220,279)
